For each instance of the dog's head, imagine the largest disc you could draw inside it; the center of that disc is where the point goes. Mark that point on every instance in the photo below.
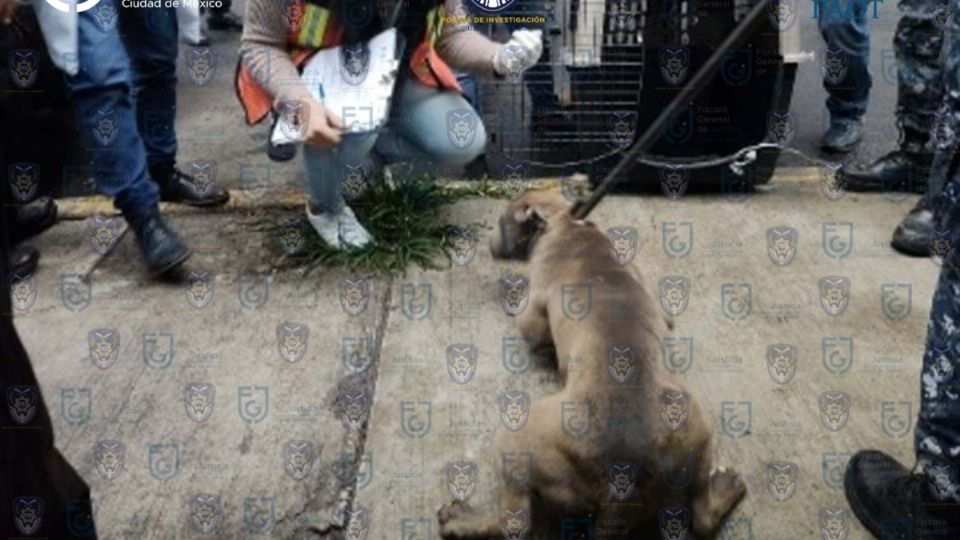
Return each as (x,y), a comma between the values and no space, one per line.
(523,221)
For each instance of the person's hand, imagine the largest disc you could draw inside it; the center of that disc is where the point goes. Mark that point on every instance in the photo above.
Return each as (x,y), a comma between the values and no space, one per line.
(323,127)
(6,11)
(519,54)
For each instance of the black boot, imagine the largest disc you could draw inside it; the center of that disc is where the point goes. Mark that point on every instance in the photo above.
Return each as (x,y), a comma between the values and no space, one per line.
(32,219)
(162,248)
(178,186)
(914,234)
(905,169)
(889,500)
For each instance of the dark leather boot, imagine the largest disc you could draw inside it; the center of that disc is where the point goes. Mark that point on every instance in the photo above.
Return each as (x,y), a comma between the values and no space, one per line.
(23,260)
(905,169)
(178,186)
(32,219)
(914,234)
(889,500)
(162,248)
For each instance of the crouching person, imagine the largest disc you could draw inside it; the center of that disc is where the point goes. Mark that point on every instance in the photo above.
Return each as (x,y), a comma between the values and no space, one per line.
(431,124)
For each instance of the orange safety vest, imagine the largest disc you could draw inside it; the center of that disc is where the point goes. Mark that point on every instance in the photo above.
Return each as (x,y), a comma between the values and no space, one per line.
(313,28)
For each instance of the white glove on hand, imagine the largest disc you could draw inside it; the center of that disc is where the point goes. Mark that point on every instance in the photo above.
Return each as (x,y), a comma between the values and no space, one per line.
(519,54)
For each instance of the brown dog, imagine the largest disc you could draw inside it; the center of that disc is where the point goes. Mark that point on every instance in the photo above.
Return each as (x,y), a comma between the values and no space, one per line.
(622,444)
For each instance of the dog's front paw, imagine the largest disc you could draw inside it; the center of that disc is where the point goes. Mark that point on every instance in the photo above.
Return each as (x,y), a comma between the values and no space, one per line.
(460,522)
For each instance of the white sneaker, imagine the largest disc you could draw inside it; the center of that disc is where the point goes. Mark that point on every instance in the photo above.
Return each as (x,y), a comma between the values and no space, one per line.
(352,232)
(327,226)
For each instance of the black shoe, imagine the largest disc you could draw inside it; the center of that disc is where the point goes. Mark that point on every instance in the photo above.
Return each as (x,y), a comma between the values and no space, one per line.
(162,248)
(842,137)
(224,21)
(178,186)
(914,234)
(32,219)
(22,260)
(279,152)
(889,500)
(896,171)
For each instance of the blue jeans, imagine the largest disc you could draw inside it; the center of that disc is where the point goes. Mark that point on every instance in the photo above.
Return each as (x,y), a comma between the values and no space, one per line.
(843,24)
(117,78)
(419,132)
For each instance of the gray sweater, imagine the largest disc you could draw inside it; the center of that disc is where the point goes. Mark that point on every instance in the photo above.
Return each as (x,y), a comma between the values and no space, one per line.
(264,47)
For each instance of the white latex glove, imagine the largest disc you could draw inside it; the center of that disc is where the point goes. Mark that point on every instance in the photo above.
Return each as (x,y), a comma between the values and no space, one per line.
(519,54)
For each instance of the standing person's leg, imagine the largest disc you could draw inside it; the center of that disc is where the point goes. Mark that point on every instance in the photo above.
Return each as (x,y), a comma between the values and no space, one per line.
(106,118)
(151,38)
(917,44)
(846,78)
(222,18)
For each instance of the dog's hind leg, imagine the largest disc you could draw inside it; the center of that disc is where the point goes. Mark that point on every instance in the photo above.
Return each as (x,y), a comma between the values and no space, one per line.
(716,493)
